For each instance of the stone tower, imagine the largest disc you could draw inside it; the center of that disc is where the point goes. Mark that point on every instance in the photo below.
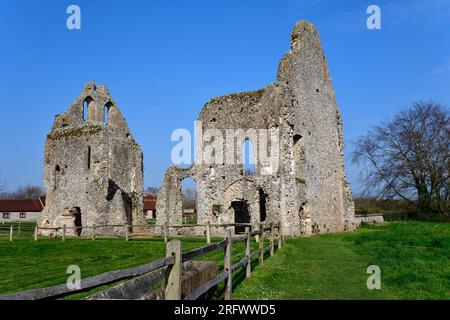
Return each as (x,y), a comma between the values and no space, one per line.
(304,184)
(93,167)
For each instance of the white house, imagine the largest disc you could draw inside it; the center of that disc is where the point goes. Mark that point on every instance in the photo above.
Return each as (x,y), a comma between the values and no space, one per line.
(21,209)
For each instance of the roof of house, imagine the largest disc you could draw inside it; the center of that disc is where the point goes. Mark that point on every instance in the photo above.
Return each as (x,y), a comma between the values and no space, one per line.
(149,202)
(22,205)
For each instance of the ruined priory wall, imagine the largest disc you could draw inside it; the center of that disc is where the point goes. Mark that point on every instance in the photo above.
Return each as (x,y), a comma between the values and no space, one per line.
(319,123)
(92,165)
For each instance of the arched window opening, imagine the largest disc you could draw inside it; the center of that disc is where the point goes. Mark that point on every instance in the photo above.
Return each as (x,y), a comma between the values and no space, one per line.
(56,176)
(105,114)
(88,109)
(110,115)
(299,159)
(189,205)
(248,158)
(85,110)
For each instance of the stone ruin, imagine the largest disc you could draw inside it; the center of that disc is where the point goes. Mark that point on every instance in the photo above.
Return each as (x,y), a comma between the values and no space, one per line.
(93,171)
(307,190)
(93,168)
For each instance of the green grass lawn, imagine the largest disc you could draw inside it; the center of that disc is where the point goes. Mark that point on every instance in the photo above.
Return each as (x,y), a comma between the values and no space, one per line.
(36,264)
(28,264)
(414,258)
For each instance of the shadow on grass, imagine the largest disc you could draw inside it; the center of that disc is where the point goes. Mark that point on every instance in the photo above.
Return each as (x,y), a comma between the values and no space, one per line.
(239,276)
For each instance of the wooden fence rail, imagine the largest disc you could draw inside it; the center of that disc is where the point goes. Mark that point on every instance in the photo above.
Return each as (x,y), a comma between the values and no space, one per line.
(173,264)
(62,231)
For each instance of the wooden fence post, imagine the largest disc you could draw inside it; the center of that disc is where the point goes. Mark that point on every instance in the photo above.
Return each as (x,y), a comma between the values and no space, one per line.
(93,232)
(227,265)
(272,241)
(248,271)
(11,231)
(64,233)
(208,232)
(279,236)
(165,232)
(126,231)
(36,232)
(261,244)
(174,271)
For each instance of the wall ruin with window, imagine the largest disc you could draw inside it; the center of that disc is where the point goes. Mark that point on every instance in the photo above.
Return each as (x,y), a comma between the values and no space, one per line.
(308,190)
(93,167)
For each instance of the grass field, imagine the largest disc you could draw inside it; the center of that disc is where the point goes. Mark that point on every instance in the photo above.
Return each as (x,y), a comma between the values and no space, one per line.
(36,264)
(414,258)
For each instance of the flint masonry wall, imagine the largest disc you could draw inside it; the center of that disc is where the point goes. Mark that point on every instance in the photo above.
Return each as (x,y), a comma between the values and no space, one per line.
(93,167)
(306,188)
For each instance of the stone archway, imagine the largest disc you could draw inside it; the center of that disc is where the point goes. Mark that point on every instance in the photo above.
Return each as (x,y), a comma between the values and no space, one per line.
(241,203)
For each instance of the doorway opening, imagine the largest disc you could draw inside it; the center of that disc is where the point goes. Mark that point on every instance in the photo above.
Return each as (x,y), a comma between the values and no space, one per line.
(189,200)
(77,220)
(241,214)
(262,205)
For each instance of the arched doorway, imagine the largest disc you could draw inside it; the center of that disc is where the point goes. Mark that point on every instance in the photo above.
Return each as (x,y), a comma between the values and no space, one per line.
(189,200)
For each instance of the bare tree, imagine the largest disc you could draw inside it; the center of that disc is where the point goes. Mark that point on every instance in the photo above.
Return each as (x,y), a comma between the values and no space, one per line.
(27,192)
(189,198)
(153,190)
(408,157)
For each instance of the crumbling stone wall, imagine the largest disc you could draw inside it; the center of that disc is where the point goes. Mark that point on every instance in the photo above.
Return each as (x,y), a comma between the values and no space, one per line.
(308,191)
(93,167)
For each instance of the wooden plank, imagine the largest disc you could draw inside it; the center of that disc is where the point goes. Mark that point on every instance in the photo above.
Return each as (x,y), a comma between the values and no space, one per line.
(194,295)
(255,233)
(232,225)
(255,253)
(239,264)
(228,266)
(239,239)
(174,271)
(208,232)
(248,271)
(261,244)
(190,255)
(272,240)
(88,283)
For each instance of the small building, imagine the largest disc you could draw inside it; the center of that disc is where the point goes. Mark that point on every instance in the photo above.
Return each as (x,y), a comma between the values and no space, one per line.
(21,209)
(150,206)
(188,213)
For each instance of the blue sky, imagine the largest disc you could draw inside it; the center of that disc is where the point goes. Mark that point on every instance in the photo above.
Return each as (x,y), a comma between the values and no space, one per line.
(162,60)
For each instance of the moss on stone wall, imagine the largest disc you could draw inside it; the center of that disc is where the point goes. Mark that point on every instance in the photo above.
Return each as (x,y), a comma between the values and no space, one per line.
(75,132)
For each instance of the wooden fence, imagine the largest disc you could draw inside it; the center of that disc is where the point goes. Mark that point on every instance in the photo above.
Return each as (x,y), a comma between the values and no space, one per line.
(148,230)
(173,264)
